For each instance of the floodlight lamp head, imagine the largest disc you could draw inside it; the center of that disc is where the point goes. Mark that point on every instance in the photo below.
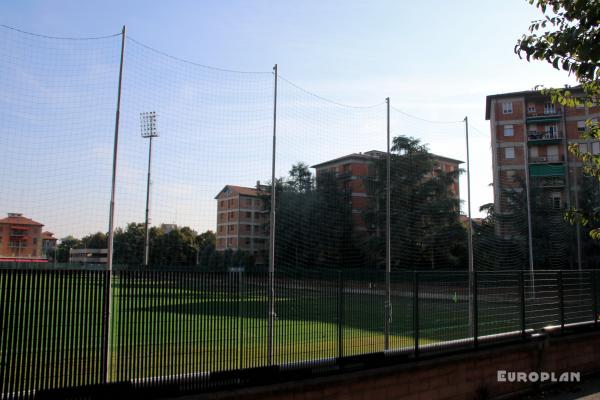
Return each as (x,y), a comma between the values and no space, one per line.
(148,124)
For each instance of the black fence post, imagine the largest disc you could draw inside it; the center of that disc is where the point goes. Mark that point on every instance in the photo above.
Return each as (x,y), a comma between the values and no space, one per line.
(561,299)
(340,315)
(416,311)
(522,290)
(595,297)
(105,326)
(475,312)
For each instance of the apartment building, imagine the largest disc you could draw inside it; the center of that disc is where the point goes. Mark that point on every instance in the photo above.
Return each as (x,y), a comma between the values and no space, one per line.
(20,239)
(242,221)
(530,137)
(355,169)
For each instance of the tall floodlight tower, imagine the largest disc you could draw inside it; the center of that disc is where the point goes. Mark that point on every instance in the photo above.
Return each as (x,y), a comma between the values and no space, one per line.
(148,130)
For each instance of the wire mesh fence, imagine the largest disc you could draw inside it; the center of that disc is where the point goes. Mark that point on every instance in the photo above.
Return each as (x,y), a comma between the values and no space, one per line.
(236,174)
(203,329)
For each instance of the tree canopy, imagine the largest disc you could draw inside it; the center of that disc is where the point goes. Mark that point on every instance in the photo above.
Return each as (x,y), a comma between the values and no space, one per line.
(568,37)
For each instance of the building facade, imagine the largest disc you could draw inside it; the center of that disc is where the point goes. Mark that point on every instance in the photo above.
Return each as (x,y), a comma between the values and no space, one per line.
(242,223)
(536,178)
(530,138)
(355,169)
(20,239)
(49,245)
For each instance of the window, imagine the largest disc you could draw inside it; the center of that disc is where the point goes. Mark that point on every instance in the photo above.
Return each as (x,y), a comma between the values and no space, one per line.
(549,108)
(509,153)
(507,107)
(248,214)
(552,151)
(533,152)
(583,147)
(596,148)
(510,175)
(551,131)
(35,241)
(580,126)
(556,201)
(531,109)
(509,130)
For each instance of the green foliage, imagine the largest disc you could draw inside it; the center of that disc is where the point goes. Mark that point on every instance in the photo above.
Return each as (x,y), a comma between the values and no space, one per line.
(314,222)
(62,250)
(177,247)
(425,229)
(568,37)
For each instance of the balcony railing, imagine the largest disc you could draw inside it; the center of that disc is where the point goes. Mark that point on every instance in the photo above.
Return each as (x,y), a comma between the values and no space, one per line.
(537,135)
(547,159)
(344,175)
(549,182)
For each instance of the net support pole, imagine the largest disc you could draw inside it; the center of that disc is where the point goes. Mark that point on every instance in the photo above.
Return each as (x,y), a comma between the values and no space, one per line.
(111,229)
(388,260)
(271,321)
(529,223)
(472,306)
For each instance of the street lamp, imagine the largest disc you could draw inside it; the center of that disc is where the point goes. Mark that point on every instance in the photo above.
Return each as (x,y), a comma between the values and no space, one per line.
(148,130)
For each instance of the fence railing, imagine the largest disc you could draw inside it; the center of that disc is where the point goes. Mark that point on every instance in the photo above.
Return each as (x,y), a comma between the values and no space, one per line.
(205,329)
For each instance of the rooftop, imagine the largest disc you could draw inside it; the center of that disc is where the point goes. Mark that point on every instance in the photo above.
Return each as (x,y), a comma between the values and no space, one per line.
(241,190)
(524,93)
(19,219)
(375,154)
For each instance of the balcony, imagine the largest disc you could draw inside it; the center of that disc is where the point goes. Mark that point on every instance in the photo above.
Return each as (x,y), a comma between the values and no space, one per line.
(549,182)
(553,159)
(546,137)
(344,175)
(546,171)
(548,116)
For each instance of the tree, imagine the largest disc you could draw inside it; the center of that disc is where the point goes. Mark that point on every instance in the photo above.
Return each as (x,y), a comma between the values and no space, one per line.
(96,240)
(425,227)
(62,250)
(300,178)
(314,222)
(568,37)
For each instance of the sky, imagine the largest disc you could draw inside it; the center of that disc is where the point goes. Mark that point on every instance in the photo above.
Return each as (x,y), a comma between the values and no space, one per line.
(435,60)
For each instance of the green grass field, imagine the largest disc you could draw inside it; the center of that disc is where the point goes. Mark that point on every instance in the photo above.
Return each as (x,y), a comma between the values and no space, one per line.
(166,324)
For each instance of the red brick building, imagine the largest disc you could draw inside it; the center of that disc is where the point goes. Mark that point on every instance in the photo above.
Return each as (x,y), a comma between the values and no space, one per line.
(530,137)
(354,169)
(242,221)
(20,239)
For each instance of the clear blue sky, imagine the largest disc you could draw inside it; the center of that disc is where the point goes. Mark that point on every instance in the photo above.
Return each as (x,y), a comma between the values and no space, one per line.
(434,59)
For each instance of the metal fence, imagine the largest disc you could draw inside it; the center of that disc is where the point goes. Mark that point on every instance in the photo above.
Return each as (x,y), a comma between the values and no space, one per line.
(200,330)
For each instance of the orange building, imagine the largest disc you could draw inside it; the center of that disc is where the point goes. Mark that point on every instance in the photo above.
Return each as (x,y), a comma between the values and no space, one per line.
(241,221)
(354,169)
(20,239)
